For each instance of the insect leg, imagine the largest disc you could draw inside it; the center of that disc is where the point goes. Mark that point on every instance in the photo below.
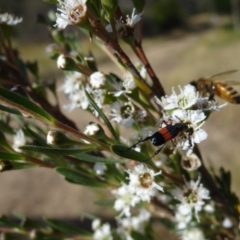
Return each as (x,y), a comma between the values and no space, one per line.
(158,151)
(135,144)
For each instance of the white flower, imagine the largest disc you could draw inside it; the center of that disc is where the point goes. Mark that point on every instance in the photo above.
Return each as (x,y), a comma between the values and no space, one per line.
(194,119)
(134,19)
(123,113)
(227,223)
(92,128)
(141,182)
(61,61)
(96,223)
(136,223)
(187,97)
(78,99)
(9,19)
(18,140)
(71,12)
(128,82)
(182,219)
(192,234)
(97,79)
(125,199)
(118,87)
(191,197)
(130,22)
(101,232)
(99,168)
(72,82)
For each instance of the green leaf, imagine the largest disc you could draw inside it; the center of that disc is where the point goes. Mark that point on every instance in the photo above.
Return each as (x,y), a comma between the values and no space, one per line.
(87,215)
(54,150)
(10,156)
(108,202)
(4,221)
(123,151)
(24,105)
(64,227)
(36,135)
(10,110)
(92,158)
(51,1)
(33,68)
(102,115)
(77,177)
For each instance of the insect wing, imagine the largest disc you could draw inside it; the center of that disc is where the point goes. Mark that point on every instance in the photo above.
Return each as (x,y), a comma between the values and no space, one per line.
(223,74)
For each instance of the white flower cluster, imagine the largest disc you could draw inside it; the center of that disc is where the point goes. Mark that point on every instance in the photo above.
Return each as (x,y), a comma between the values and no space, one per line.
(75,86)
(191,198)
(124,226)
(179,109)
(141,187)
(9,19)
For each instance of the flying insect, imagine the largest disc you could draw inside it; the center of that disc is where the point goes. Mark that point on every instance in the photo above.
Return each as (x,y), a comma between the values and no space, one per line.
(211,86)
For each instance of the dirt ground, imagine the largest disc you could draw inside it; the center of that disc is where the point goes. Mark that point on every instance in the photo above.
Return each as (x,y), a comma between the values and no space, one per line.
(177,60)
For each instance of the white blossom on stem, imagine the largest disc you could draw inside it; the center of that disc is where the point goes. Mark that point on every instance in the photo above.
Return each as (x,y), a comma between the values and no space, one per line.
(18,140)
(192,233)
(136,223)
(129,22)
(9,19)
(125,199)
(71,12)
(97,79)
(123,113)
(141,182)
(187,97)
(101,232)
(191,197)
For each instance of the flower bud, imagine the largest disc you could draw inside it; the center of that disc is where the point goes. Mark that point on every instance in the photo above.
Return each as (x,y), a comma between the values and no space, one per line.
(58,138)
(190,162)
(97,79)
(5,165)
(94,130)
(66,63)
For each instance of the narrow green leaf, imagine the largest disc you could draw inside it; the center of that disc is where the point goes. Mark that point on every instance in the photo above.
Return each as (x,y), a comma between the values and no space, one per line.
(4,221)
(9,110)
(123,151)
(10,156)
(88,215)
(33,68)
(24,105)
(64,227)
(53,150)
(51,1)
(77,177)
(91,158)
(102,115)
(107,203)
(36,136)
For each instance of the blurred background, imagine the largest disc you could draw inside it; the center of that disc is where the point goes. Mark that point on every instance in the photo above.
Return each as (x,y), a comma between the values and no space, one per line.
(184,40)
